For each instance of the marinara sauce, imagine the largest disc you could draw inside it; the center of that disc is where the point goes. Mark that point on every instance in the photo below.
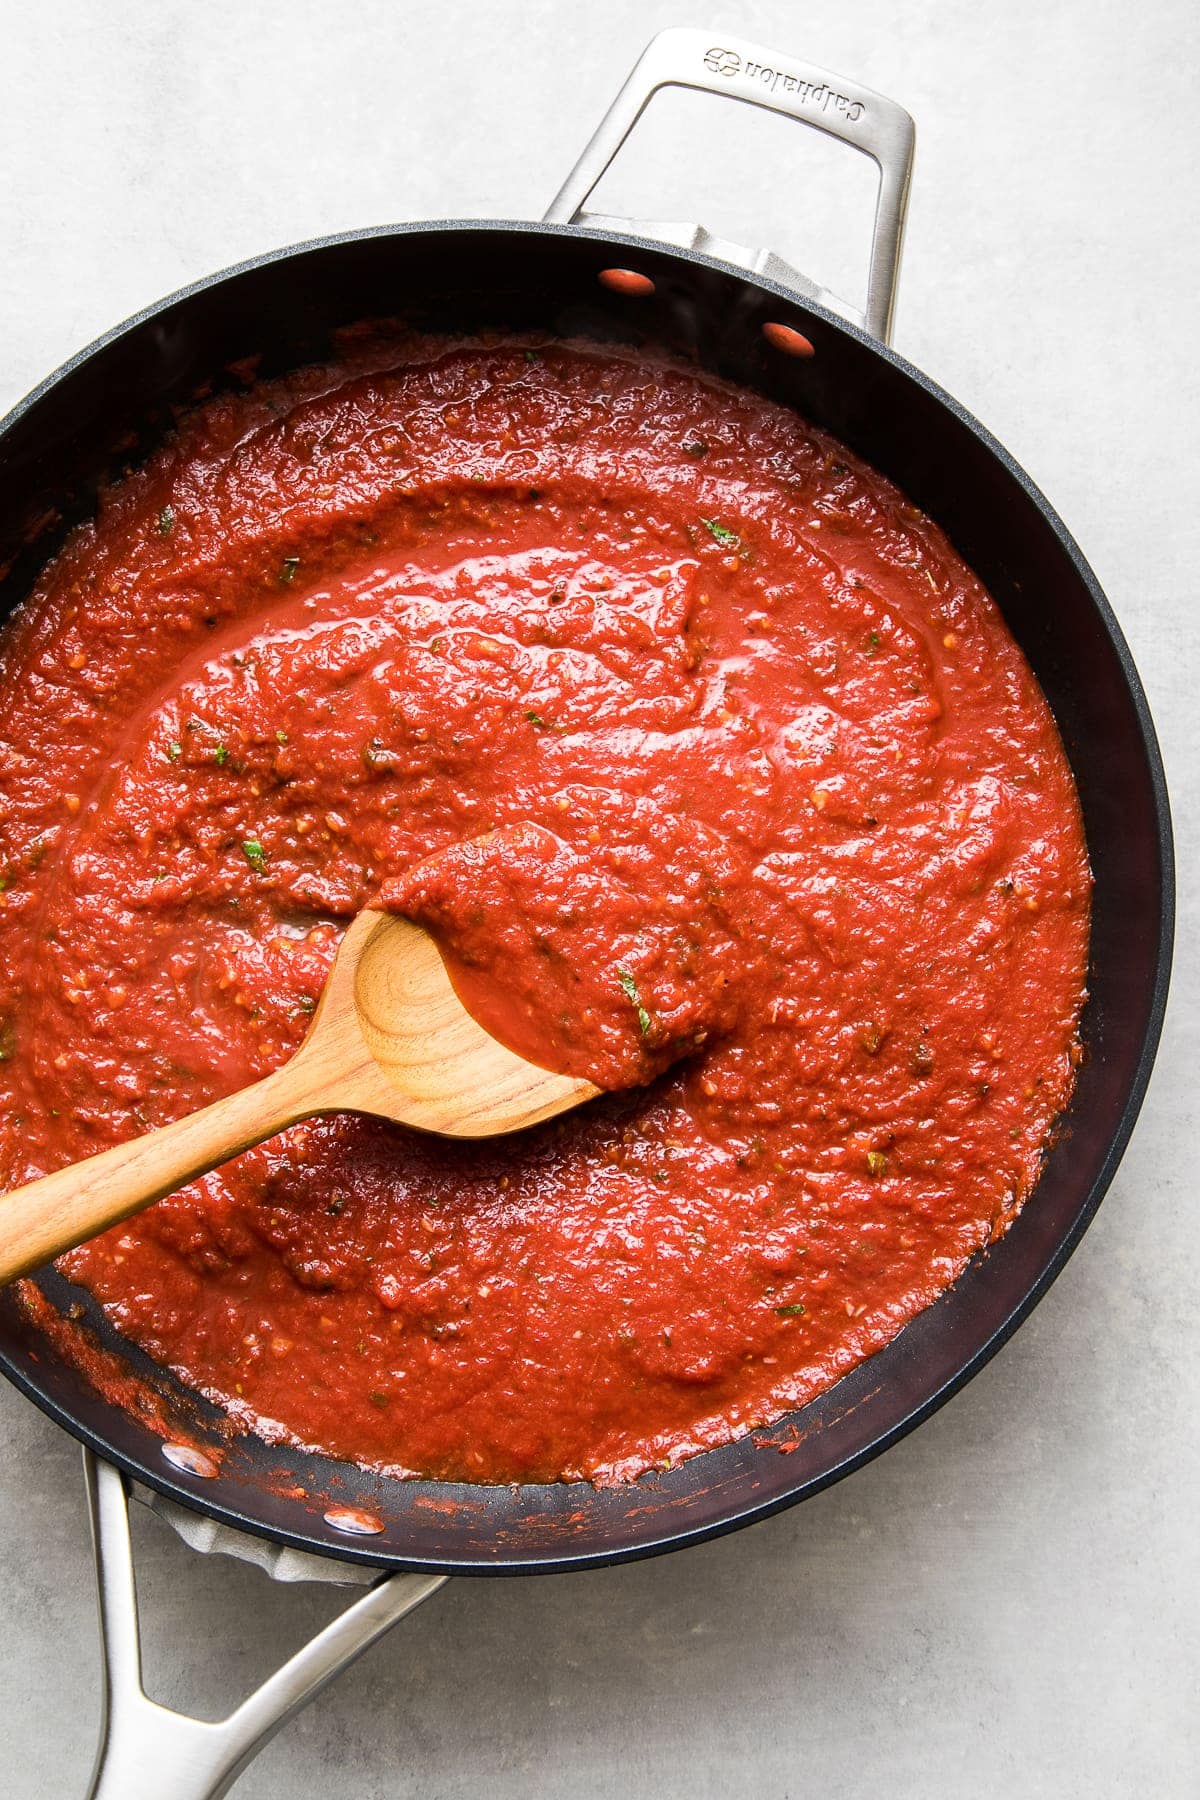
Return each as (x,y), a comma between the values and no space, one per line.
(721,780)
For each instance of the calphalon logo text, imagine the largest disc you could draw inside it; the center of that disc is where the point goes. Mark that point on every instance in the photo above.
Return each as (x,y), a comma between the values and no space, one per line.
(811,93)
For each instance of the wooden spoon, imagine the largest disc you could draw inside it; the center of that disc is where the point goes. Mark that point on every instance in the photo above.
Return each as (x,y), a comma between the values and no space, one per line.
(390,1036)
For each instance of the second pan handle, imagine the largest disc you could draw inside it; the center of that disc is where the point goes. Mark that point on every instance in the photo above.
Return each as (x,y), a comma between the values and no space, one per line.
(151,1752)
(683,57)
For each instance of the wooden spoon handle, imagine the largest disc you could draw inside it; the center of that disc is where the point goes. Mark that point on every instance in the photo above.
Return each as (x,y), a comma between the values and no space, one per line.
(44,1218)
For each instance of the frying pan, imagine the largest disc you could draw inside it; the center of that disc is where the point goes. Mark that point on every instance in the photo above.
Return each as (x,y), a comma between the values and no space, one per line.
(710,302)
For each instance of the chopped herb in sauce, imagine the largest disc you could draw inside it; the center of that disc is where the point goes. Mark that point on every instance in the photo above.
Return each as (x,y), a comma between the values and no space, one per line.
(174,750)
(220,756)
(877,1163)
(255,855)
(288,571)
(721,532)
(630,989)
(791,1312)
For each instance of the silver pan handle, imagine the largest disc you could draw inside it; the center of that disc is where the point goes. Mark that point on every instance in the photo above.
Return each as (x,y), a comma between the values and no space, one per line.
(150,1752)
(718,64)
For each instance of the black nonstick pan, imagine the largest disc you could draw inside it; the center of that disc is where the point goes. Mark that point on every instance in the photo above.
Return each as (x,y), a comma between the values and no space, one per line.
(709,300)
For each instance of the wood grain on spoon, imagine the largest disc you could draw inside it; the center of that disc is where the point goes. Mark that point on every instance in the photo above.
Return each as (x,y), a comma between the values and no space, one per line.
(389,1036)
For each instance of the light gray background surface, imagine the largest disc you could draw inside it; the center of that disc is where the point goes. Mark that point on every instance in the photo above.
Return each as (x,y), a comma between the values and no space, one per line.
(1005,1604)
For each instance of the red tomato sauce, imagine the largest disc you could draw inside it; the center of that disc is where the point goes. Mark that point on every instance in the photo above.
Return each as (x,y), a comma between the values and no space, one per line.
(722,781)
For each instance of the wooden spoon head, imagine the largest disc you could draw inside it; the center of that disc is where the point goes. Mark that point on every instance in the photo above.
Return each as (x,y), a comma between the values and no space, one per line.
(396,1040)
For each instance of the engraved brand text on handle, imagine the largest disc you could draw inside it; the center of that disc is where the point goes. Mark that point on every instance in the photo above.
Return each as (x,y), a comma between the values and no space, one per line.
(810,93)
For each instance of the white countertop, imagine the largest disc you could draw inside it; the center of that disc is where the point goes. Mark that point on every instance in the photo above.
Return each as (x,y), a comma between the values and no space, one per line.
(1006,1603)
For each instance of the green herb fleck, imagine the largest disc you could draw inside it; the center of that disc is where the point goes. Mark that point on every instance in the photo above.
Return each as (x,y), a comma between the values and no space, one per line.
(877,1163)
(281,736)
(306,1003)
(791,1312)
(872,644)
(174,750)
(721,532)
(630,989)
(220,756)
(532,356)
(255,855)
(166,521)
(288,571)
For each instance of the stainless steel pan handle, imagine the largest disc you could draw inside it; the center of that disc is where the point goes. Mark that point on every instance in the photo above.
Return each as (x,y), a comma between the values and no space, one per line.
(150,1752)
(719,64)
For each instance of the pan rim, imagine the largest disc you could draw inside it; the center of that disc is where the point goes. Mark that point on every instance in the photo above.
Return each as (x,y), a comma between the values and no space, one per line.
(741,1515)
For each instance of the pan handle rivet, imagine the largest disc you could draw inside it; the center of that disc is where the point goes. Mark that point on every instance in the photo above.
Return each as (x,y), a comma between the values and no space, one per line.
(190,1461)
(351,1520)
(785,338)
(627,281)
